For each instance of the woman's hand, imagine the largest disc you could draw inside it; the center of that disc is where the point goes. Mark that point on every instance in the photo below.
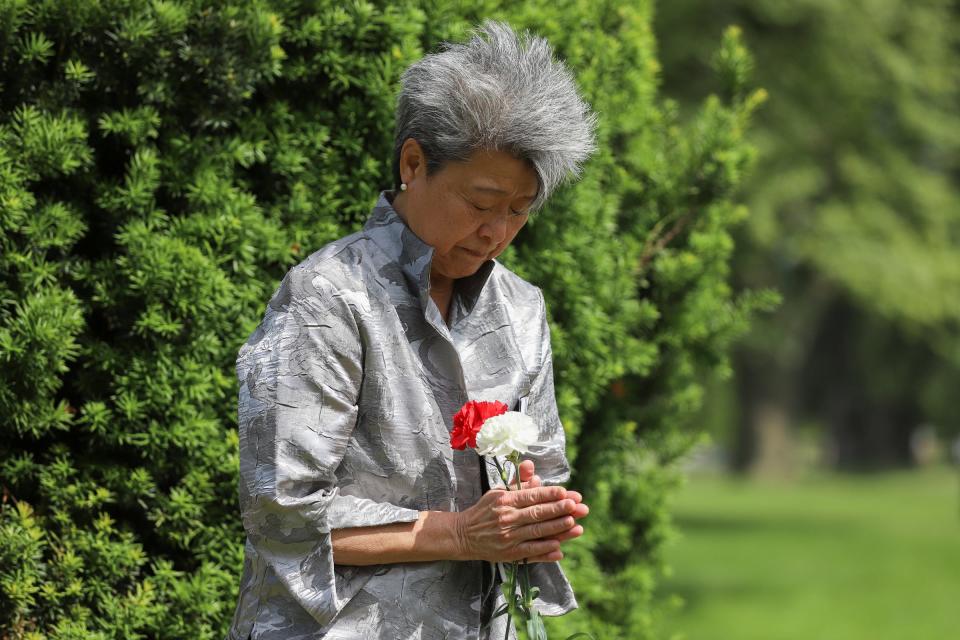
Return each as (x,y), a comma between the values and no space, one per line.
(528,479)
(530,523)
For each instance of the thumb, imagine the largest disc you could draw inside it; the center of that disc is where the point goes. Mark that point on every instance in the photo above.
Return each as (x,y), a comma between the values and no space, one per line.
(526,470)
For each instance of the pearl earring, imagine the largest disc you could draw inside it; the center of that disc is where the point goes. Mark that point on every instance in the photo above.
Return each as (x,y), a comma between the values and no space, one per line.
(403,186)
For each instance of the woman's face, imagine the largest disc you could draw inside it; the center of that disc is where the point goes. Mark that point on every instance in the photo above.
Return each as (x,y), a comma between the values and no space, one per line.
(468,211)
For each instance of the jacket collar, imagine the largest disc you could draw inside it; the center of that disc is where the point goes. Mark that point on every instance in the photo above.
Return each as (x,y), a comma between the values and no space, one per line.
(414,256)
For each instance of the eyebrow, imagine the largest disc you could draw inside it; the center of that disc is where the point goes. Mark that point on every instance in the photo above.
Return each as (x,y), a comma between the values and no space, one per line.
(498,191)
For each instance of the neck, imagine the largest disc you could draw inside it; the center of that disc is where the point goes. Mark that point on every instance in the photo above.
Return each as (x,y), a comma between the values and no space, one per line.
(439,283)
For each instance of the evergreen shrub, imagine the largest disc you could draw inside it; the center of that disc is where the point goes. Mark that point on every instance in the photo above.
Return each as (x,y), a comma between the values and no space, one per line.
(163,163)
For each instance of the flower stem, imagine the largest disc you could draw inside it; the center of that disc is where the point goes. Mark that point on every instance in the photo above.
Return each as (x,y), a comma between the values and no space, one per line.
(501,471)
(517,566)
(513,573)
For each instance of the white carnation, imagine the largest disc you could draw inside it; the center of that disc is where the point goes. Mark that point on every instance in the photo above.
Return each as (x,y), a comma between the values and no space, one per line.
(502,435)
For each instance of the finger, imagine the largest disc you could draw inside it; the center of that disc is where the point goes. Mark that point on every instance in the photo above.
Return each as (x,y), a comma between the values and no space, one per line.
(534,549)
(573,532)
(543,530)
(541,512)
(532,483)
(574,495)
(530,497)
(553,556)
(526,470)
(580,510)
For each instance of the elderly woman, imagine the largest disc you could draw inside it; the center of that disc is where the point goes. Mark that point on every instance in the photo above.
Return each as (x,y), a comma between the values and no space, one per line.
(362,521)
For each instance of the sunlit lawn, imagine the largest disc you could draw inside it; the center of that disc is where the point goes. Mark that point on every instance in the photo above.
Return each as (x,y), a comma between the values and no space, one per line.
(872,557)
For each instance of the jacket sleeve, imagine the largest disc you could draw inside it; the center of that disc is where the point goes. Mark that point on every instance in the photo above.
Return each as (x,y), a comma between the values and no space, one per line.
(300,376)
(549,454)
(551,464)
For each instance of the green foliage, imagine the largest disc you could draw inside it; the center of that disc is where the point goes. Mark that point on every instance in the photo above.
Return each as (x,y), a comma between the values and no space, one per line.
(162,164)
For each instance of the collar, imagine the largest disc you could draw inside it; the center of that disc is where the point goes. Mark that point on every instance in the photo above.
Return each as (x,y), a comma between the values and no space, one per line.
(414,256)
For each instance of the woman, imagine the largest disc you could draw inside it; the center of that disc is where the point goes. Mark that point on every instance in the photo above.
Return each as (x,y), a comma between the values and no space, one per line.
(361,520)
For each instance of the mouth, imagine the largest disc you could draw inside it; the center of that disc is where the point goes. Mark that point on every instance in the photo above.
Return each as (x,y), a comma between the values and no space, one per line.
(475,254)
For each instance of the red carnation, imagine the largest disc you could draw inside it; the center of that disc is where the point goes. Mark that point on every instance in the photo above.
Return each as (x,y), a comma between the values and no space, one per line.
(467,422)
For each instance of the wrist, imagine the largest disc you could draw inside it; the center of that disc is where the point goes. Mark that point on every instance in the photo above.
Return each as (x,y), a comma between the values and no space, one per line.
(454,527)
(444,529)
(458,538)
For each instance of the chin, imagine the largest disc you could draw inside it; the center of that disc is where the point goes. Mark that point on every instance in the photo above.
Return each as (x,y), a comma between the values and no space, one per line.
(467,271)
(460,270)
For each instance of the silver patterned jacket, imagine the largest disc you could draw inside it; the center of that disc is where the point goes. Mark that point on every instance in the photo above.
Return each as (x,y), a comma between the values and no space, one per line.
(348,388)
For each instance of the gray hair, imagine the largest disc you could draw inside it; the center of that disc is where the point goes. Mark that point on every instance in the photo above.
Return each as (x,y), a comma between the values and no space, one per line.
(496,91)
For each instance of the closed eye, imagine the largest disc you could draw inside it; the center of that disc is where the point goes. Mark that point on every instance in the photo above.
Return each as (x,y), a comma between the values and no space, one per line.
(516,213)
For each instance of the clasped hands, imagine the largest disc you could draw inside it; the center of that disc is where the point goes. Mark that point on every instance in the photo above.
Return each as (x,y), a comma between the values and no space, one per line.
(504,526)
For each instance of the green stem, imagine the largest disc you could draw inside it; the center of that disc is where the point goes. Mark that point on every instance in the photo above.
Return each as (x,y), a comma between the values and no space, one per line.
(503,474)
(506,633)
(518,567)
(515,459)
(514,567)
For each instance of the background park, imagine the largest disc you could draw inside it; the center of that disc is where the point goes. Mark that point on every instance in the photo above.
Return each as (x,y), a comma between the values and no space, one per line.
(754,298)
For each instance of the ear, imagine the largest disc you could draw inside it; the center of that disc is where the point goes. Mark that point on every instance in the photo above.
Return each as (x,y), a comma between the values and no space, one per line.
(413,161)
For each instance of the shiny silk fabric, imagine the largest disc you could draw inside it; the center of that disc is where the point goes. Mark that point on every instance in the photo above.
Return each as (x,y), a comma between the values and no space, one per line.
(347,394)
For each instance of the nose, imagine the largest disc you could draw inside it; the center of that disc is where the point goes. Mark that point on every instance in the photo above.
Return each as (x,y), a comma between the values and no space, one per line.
(495,230)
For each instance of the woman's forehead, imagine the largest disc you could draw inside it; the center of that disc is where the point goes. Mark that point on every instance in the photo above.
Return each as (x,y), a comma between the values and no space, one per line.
(498,173)
(483,187)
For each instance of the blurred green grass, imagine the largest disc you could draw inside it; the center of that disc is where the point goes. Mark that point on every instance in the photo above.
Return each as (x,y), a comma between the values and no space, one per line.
(826,557)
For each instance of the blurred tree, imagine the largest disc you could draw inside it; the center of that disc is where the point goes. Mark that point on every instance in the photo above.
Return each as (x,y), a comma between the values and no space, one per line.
(855,214)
